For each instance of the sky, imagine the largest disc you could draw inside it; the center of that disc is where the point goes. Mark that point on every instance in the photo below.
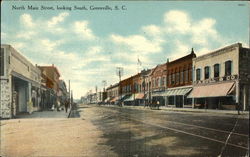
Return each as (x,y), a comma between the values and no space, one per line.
(88,45)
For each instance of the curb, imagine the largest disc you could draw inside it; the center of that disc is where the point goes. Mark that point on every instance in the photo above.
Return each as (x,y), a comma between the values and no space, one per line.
(244,113)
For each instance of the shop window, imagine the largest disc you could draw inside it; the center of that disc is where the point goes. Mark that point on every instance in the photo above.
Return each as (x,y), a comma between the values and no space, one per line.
(206,72)
(198,74)
(216,70)
(2,62)
(228,68)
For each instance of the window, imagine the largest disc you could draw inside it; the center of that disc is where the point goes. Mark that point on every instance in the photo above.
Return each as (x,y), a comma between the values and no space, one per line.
(186,75)
(169,79)
(2,62)
(181,77)
(216,70)
(177,77)
(198,74)
(173,78)
(228,68)
(206,72)
(163,81)
(190,74)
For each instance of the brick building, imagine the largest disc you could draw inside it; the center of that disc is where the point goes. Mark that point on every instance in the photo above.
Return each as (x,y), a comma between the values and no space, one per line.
(222,78)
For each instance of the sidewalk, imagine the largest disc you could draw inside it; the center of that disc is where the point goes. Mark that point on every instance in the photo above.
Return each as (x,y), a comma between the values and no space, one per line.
(45,114)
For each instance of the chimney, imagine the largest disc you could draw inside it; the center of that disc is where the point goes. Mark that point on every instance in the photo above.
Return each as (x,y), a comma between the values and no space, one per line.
(192,51)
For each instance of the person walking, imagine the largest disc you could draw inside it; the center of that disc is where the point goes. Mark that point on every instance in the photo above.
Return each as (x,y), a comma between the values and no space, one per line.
(66,105)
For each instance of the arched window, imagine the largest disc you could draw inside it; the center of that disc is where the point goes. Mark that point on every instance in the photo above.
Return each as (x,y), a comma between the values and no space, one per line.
(216,70)
(206,72)
(228,68)
(198,74)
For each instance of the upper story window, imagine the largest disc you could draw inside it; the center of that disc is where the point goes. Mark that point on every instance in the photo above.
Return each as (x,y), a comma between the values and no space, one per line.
(173,78)
(198,74)
(206,72)
(163,81)
(177,78)
(228,68)
(216,70)
(2,62)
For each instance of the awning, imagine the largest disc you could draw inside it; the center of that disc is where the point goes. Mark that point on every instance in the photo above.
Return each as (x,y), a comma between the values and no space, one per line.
(139,96)
(157,93)
(114,99)
(214,90)
(176,92)
(131,98)
(107,99)
(124,96)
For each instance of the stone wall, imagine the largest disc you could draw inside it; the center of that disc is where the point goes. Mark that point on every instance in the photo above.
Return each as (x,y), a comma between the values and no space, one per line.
(5,99)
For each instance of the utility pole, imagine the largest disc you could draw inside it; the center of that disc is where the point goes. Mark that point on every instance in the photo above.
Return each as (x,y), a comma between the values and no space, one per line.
(69,95)
(119,72)
(104,82)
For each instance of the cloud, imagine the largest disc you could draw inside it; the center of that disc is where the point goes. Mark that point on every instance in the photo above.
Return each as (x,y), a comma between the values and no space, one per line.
(152,30)
(57,19)
(137,43)
(177,21)
(26,35)
(204,30)
(27,21)
(82,29)
(180,49)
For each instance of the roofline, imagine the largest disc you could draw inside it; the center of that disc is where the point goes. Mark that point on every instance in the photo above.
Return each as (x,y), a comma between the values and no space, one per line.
(218,50)
(52,66)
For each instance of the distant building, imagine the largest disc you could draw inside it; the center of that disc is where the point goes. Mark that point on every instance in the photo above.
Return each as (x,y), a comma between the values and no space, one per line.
(112,93)
(158,77)
(63,93)
(20,83)
(222,78)
(179,81)
(50,86)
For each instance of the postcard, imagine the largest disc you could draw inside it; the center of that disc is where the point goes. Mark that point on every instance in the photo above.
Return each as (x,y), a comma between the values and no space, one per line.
(124,78)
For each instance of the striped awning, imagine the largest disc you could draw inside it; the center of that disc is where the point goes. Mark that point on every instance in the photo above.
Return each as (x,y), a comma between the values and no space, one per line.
(177,92)
(130,98)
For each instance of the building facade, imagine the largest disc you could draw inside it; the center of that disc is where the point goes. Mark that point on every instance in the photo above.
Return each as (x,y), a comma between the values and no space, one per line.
(20,83)
(158,83)
(112,93)
(222,79)
(50,84)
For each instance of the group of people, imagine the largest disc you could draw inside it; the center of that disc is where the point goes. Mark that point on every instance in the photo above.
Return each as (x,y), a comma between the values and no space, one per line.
(66,105)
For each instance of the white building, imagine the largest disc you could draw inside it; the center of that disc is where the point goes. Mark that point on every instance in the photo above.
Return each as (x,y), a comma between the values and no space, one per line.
(222,79)
(20,83)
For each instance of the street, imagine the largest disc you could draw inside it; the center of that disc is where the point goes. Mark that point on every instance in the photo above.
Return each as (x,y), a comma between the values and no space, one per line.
(127,131)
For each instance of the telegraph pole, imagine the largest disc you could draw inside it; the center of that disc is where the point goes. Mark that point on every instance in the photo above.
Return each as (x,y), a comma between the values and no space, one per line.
(69,95)
(104,82)
(119,72)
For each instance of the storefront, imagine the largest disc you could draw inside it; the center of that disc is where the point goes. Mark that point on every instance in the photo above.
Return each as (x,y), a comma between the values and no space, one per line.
(220,95)
(177,97)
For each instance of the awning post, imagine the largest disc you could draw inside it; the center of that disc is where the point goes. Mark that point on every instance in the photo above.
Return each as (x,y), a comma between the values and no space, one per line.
(183,101)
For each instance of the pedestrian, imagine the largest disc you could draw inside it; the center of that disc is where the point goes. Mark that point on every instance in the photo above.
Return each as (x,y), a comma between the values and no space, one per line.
(66,105)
